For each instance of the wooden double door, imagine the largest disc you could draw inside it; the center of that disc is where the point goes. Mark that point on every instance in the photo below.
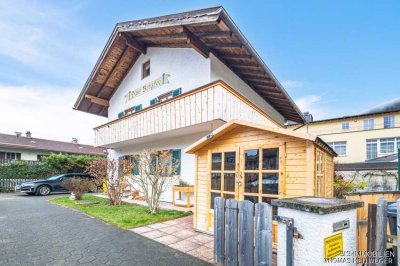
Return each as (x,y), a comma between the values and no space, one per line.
(247,173)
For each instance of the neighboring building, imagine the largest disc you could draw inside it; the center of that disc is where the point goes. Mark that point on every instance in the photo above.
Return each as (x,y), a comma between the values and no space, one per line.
(27,148)
(165,82)
(358,138)
(272,162)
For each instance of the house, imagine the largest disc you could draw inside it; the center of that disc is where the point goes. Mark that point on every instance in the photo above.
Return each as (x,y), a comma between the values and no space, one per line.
(165,82)
(28,148)
(257,162)
(367,144)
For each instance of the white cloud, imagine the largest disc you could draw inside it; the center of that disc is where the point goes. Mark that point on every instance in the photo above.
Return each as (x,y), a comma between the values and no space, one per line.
(47,39)
(292,84)
(46,112)
(317,105)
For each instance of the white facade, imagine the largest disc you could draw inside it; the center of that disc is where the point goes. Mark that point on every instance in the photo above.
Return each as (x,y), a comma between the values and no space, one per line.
(178,123)
(26,155)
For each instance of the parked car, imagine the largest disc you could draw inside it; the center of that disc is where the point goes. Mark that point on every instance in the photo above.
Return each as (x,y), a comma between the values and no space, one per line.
(46,186)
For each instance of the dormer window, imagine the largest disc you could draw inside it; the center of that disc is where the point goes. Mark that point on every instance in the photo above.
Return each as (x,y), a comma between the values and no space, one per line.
(146,69)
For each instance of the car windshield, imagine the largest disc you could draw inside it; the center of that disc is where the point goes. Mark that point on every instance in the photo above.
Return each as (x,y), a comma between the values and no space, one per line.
(54,177)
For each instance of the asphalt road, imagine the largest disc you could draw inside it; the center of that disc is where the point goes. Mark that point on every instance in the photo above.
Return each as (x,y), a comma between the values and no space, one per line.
(36,232)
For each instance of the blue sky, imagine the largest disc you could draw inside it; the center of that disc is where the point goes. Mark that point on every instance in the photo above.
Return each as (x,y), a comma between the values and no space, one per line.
(333,57)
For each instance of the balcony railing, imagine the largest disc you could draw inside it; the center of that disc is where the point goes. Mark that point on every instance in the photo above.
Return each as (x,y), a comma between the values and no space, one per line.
(208,103)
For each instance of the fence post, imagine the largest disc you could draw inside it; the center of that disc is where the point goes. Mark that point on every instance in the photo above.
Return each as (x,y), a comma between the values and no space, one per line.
(263,244)
(219,234)
(231,232)
(246,233)
(381,230)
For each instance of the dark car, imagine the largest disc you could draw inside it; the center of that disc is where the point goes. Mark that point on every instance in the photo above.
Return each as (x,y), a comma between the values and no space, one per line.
(46,186)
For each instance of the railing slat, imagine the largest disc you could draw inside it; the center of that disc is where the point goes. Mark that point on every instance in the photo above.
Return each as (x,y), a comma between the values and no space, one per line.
(246,233)
(263,241)
(231,233)
(381,230)
(219,233)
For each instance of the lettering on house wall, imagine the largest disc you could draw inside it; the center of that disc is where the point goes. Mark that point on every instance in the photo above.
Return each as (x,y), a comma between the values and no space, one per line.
(147,87)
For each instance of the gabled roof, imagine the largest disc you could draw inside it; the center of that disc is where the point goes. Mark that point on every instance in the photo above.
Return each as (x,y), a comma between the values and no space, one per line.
(14,142)
(235,123)
(207,31)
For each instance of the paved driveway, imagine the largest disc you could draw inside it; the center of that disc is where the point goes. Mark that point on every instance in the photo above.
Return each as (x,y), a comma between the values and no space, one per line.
(36,232)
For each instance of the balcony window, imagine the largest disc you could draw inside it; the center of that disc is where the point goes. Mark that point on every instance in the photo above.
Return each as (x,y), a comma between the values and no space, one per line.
(387,145)
(368,124)
(388,121)
(345,125)
(372,149)
(340,147)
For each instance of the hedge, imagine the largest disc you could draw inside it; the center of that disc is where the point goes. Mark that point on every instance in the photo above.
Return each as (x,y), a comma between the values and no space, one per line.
(51,165)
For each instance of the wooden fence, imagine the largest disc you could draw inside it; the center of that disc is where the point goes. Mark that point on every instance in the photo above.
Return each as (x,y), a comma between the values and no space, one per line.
(363,213)
(7,185)
(243,233)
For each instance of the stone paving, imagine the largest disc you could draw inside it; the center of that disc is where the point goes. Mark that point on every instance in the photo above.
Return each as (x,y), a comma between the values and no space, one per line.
(36,232)
(180,235)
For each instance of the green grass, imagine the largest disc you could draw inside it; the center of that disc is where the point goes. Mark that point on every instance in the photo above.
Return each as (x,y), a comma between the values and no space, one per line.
(125,215)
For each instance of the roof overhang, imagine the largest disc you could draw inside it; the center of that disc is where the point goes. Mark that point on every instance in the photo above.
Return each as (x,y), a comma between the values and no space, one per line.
(236,123)
(207,31)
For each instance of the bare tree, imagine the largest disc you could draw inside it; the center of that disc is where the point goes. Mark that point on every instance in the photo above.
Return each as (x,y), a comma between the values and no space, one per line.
(114,173)
(154,172)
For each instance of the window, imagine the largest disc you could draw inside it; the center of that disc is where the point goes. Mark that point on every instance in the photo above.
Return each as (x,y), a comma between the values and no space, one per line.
(122,114)
(320,170)
(372,149)
(146,69)
(387,145)
(340,147)
(153,101)
(368,124)
(176,92)
(138,108)
(388,121)
(345,125)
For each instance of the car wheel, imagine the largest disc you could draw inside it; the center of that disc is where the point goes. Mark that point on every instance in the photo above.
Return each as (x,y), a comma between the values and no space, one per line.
(43,191)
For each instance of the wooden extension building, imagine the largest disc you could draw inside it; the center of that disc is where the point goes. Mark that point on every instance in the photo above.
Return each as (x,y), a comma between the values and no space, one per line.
(248,161)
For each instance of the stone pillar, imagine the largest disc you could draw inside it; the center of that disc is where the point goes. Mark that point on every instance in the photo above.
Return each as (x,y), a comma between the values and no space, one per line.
(327,228)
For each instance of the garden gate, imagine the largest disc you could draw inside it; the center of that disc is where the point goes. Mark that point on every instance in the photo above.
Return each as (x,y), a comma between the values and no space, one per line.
(243,233)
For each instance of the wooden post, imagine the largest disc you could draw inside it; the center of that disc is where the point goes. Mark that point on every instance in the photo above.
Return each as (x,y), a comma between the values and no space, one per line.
(263,244)
(381,228)
(219,234)
(246,233)
(231,233)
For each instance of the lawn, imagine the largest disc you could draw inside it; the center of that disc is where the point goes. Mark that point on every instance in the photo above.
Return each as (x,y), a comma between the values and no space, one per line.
(125,215)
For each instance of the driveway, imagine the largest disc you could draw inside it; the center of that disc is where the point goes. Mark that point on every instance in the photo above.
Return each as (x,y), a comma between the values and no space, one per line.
(36,232)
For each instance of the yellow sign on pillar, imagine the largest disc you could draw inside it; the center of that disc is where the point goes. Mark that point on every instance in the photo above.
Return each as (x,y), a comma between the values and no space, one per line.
(333,245)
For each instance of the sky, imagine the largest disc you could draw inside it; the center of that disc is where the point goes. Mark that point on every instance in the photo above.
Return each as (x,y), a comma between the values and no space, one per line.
(334,58)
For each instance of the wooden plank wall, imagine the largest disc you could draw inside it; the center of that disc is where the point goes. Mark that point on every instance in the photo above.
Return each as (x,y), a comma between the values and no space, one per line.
(216,102)
(297,174)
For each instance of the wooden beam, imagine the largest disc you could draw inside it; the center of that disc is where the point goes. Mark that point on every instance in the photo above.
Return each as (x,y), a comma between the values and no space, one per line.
(161,37)
(97,100)
(244,64)
(237,56)
(225,45)
(262,83)
(196,43)
(255,72)
(214,34)
(134,44)
(257,78)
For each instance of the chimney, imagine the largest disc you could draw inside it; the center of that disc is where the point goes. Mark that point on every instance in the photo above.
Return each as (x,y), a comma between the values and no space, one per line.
(74,140)
(18,134)
(308,117)
(28,134)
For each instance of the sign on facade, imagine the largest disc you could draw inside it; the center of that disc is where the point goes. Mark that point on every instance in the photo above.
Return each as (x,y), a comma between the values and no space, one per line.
(147,87)
(333,246)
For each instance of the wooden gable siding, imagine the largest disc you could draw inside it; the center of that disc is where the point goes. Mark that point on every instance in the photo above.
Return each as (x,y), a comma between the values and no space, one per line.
(203,105)
(296,163)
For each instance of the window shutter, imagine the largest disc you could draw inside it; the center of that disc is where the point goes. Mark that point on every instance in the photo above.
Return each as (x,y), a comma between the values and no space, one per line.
(176,92)
(176,159)
(122,114)
(138,108)
(153,101)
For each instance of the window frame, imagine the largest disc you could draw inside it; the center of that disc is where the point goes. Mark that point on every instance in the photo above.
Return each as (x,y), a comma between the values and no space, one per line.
(144,71)
(346,127)
(336,144)
(369,124)
(391,121)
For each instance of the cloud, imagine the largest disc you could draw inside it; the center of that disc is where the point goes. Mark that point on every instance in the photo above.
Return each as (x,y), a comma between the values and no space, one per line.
(292,84)
(46,112)
(47,39)
(317,105)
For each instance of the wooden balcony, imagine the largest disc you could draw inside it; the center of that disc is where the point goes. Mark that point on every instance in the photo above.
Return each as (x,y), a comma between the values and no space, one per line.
(215,101)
